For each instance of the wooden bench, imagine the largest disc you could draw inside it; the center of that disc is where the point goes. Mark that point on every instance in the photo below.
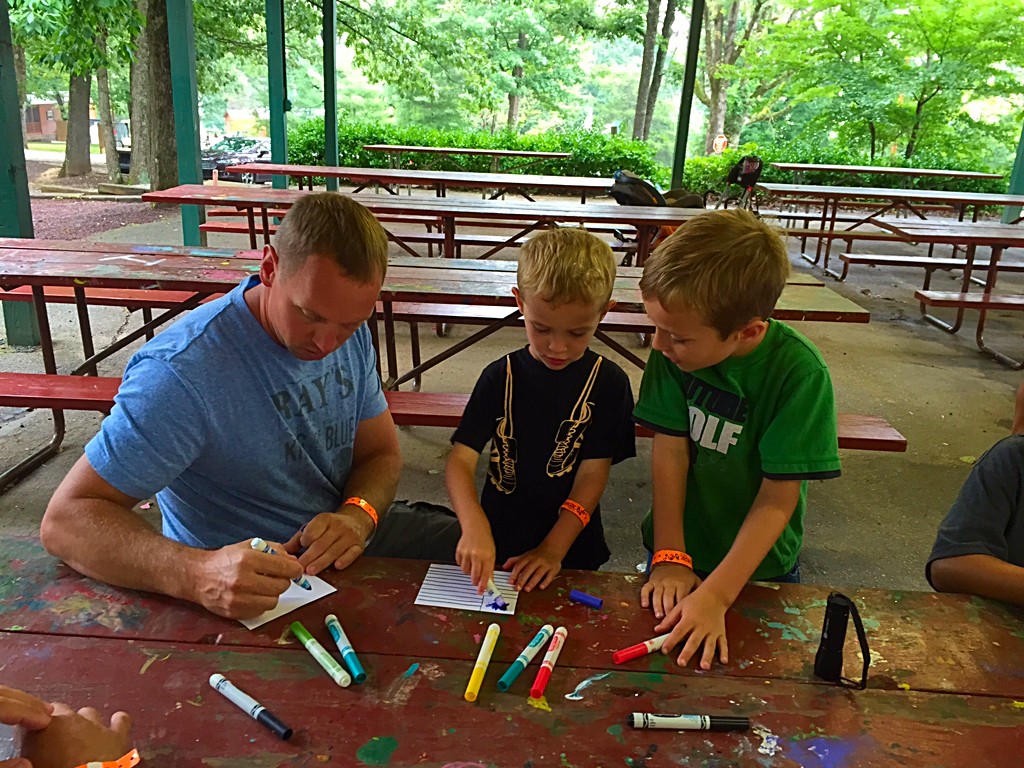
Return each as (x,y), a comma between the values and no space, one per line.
(423,409)
(984,303)
(929,265)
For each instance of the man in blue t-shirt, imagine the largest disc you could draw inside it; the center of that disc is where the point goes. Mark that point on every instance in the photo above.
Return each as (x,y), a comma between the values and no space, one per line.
(260,414)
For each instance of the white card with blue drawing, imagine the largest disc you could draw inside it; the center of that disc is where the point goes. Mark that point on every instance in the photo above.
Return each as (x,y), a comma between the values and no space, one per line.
(292,599)
(446,586)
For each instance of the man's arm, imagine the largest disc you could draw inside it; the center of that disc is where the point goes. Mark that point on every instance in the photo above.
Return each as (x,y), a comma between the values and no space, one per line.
(982,575)
(700,617)
(90,525)
(339,537)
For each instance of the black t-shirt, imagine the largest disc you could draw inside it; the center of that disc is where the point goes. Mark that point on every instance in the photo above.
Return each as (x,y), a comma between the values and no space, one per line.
(541,425)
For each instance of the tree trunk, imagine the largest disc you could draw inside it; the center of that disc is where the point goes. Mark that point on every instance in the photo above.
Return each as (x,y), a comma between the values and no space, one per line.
(719,97)
(646,66)
(76,153)
(874,138)
(106,116)
(163,146)
(19,76)
(915,131)
(138,107)
(514,98)
(659,66)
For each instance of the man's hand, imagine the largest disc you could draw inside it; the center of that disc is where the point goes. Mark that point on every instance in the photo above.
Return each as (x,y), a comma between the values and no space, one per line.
(538,567)
(73,738)
(238,582)
(699,618)
(475,554)
(331,538)
(20,708)
(666,586)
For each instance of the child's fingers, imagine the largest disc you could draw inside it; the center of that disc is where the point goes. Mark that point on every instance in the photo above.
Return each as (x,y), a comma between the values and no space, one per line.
(645,595)
(548,578)
(690,648)
(723,648)
(708,657)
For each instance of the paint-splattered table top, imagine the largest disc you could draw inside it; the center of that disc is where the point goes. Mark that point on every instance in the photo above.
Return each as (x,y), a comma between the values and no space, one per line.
(920,641)
(409,714)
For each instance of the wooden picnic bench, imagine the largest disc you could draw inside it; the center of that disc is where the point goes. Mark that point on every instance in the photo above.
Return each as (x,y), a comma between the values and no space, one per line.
(412,409)
(394,154)
(928,264)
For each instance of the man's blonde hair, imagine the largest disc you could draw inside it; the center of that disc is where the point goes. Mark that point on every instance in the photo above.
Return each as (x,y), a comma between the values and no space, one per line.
(727,266)
(563,266)
(337,227)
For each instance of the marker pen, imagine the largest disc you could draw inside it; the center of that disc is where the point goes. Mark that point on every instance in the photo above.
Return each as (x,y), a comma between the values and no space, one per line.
(323,658)
(546,666)
(688,722)
(261,546)
(500,602)
(641,649)
(582,597)
(523,659)
(249,705)
(483,658)
(345,647)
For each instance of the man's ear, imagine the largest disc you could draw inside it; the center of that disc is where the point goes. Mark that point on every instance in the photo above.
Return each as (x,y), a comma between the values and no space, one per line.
(269,265)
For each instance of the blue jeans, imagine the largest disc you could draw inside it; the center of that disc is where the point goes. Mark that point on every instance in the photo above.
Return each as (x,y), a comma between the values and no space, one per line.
(793,577)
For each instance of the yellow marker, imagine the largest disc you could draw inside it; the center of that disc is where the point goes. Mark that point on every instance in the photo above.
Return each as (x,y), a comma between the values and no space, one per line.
(482,660)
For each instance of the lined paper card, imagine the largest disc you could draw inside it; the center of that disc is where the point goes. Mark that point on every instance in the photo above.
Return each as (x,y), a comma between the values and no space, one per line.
(294,597)
(446,586)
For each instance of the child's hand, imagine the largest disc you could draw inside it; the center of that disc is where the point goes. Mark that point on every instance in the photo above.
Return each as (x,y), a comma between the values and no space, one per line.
(699,619)
(667,585)
(538,567)
(475,555)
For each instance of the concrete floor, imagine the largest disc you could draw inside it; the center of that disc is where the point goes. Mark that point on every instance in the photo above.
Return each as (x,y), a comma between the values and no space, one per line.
(874,526)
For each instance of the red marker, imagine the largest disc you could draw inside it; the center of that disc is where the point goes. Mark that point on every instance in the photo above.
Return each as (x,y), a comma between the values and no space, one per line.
(636,651)
(546,666)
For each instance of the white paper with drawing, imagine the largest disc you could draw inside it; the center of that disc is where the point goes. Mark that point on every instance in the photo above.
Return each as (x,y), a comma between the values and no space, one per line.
(446,586)
(294,597)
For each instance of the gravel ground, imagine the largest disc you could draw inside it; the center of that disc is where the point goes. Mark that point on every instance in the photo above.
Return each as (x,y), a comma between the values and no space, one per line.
(78,219)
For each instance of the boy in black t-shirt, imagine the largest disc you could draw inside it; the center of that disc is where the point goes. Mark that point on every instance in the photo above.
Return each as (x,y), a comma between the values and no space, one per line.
(557,415)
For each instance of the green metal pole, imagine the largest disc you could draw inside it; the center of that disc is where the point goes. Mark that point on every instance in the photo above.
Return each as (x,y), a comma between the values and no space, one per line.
(330,40)
(278,88)
(1016,182)
(182,40)
(15,208)
(686,99)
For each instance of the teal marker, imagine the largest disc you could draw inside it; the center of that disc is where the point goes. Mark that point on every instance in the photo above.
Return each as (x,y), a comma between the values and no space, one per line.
(345,647)
(523,659)
(323,658)
(261,546)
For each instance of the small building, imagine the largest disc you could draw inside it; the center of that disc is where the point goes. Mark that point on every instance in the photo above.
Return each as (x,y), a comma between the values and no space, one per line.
(42,119)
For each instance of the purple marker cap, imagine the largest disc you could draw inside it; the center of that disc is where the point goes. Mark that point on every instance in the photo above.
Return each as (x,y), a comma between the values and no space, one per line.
(582,597)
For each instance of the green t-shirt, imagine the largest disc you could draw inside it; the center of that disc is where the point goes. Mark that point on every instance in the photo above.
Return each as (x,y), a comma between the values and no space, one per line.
(770,413)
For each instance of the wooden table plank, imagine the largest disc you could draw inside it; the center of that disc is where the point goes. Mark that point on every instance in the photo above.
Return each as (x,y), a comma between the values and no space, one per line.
(405,715)
(885,193)
(884,170)
(920,640)
(465,151)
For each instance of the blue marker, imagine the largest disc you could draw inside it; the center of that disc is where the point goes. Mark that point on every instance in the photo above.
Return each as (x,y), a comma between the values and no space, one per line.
(345,646)
(582,597)
(523,659)
(261,546)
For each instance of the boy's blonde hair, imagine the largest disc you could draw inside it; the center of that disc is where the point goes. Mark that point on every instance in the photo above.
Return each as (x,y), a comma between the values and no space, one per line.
(335,226)
(563,266)
(727,266)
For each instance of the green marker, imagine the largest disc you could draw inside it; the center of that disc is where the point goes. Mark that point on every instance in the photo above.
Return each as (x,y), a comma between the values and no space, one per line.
(323,658)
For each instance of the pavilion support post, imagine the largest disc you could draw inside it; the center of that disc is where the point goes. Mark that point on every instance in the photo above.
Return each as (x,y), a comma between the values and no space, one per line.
(278,87)
(182,43)
(1011,214)
(330,41)
(15,208)
(686,99)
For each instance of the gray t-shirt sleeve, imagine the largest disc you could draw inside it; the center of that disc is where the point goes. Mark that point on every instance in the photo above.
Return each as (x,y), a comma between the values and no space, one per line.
(986,517)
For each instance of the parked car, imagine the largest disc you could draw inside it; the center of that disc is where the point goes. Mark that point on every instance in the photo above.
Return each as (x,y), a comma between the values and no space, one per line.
(231,150)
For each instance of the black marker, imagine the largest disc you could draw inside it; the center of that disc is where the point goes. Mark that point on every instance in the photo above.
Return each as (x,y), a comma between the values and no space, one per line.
(248,704)
(688,722)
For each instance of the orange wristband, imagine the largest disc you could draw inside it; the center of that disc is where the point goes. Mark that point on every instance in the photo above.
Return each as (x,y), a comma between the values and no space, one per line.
(672,556)
(132,758)
(366,506)
(577,509)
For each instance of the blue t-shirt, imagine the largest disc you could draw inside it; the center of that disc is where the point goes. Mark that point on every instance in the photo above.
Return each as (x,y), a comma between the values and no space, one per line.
(236,436)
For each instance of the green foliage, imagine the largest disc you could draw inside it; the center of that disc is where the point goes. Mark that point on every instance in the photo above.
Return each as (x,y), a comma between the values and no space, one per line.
(591,154)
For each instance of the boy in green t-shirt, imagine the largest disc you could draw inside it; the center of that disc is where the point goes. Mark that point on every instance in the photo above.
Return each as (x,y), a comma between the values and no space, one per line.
(743,414)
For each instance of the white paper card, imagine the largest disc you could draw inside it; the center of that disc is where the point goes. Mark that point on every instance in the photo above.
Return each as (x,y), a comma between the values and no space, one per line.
(292,598)
(446,586)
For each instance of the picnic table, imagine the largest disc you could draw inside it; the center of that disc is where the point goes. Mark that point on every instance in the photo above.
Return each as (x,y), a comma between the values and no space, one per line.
(498,184)
(448,213)
(944,680)
(799,169)
(394,154)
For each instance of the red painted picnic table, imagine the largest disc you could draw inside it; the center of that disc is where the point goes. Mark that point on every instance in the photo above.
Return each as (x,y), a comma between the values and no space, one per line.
(498,184)
(394,154)
(450,212)
(800,168)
